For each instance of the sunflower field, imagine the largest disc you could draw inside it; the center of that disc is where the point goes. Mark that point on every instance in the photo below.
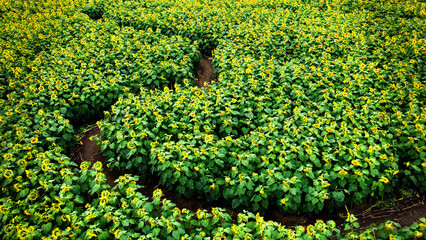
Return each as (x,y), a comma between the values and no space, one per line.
(315,105)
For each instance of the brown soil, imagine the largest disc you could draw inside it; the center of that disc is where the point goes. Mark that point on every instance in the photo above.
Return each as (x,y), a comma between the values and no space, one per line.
(204,72)
(404,211)
(89,151)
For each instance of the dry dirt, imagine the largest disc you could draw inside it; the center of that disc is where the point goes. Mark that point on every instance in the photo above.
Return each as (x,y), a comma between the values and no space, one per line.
(89,151)
(204,72)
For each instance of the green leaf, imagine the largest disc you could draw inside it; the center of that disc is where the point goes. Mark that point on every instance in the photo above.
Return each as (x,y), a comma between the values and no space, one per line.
(256,198)
(79,199)
(63,110)
(347,227)
(155,232)
(205,222)
(176,234)
(235,203)
(46,228)
(95,188)
(220,181)
(215,220)
(241,190)
(24,192)
(125,223)
(103,235)
(66,210)
(131,152)
(315,160)
(339,196)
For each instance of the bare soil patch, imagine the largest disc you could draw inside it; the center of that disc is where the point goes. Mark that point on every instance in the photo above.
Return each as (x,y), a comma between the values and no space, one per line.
(404,211)
(204,72)
(89,151)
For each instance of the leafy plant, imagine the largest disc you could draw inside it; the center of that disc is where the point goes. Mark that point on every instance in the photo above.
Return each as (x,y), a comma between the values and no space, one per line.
(317,104)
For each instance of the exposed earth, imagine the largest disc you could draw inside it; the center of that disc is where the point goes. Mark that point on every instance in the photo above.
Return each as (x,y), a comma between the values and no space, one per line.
(204,72)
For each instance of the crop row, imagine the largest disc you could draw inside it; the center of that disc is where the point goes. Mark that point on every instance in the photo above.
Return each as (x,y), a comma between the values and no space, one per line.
(46,195)
(88,72)
(310,110)
(281,126)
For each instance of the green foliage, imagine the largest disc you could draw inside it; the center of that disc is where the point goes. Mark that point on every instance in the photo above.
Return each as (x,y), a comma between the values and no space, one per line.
(308,113)
(317,104)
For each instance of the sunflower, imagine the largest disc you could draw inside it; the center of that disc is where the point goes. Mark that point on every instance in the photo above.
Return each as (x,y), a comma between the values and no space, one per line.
(97,166)
(22,163)
(84,165)
(64,171)
(130,191)
(91,234)
(130,145)
(8,173)
(90,216)
(310,230)
(208,138)
(418,234)
(141,212)
(103,201)
(56,233)
(44,167)
(355,162)
(105,194)
(157,193)
(100,177)
(33,195)
(384,180)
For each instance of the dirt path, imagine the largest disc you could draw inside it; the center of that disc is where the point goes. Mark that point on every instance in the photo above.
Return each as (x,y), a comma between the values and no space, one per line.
(204,72)
(403,211)
(89,151)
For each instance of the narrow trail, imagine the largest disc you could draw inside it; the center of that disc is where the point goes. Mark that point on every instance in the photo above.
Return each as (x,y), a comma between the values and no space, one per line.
(204,72)
(89,151)
(404,211)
